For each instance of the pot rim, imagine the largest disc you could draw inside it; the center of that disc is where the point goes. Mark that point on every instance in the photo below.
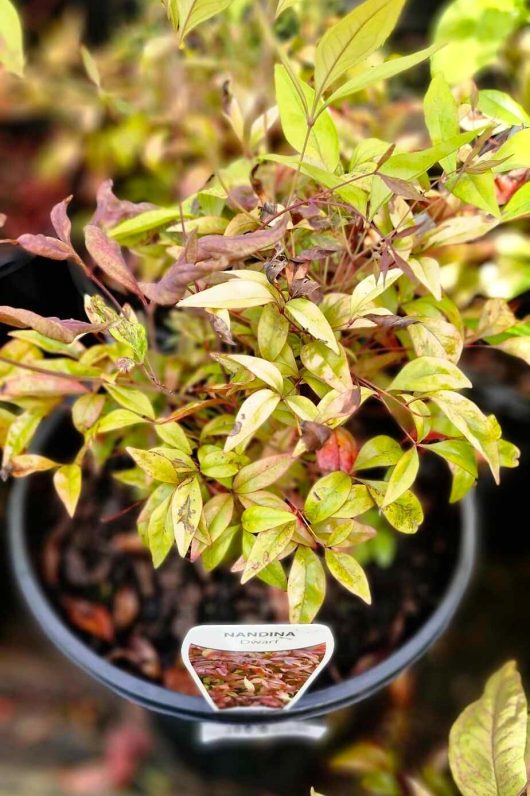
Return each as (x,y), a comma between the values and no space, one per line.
(161,700)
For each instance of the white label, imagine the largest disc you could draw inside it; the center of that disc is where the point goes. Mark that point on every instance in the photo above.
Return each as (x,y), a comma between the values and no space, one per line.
(217,733)
(256,667)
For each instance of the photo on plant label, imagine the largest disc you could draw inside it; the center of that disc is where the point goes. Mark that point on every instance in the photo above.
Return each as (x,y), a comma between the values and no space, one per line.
(256,679)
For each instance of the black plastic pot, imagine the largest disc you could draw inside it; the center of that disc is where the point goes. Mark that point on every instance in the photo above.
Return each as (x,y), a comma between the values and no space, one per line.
(160,700)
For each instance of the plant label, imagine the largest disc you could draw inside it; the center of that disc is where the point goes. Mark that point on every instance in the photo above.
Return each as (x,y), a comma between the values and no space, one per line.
(256,667)
(211,732)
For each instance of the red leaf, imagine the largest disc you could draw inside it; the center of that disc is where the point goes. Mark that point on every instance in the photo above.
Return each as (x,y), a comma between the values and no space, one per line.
(338,453)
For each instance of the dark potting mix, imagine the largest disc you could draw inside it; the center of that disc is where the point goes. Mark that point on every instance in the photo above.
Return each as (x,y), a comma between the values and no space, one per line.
(101,579)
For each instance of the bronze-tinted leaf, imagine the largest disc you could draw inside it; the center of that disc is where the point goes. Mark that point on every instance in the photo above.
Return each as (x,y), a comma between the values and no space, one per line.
(45,246)
(61,223)
(42,384)
(66,331)
(314,435)
(91,618)
(107,254)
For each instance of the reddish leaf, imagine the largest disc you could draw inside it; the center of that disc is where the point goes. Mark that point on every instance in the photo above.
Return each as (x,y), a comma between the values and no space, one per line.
(61,223)
(107,254)
(42,384)
(44,246)
(111,210)
(91,618)
(338,452)
(65,331)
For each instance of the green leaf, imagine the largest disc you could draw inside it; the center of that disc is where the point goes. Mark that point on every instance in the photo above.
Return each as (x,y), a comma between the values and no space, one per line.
(119,418)
(359,501)
(269,545)
(217,552)
(501,107)
(474,31)
(353,39)
(11,44)
(371,75)
(86,411)
(173,435)
(327,496)
(441,116)
(255,411)
(159,495)
(273,328)
(477,190)
(186,508)
(158,537)
(19,435)
(457,452)
(283,5)
(380,451)
(67,482)
(405,514)
(519,204)
(369,290)
(321,143)
(306,587)
(332,368)
(217,463)
(240,294)
(163,464)
(261,368)
(428,374)
(131,399)
(349,573)
(479,430)
(262,473)
(516,150)
(191,13)
(461,484)
(487,741)
(257,519)
(402,477)
(218,513)
(311,319)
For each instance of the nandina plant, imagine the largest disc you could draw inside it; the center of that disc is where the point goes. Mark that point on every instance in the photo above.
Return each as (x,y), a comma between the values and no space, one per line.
(294,288)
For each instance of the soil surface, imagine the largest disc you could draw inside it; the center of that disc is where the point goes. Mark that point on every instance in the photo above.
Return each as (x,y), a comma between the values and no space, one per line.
(101,579)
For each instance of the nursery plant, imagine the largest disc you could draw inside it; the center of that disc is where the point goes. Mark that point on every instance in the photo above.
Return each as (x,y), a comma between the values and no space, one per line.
(232,339)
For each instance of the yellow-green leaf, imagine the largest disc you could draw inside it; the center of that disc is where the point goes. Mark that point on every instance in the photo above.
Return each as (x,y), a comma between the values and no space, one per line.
(354,38)
(186,508)
(428,374)
(269,545)
(257,519)
(255,411)
(262,473)
(380,451)
(349,573)
(319,144)
(240,294)
(327,496)
(306,587)
(261,368)
(11,44)
(332,368)
(311,319)
(131,399)
(273,328)
(487,741)
(67,482)
(441,116)
(402,477)
(188,14)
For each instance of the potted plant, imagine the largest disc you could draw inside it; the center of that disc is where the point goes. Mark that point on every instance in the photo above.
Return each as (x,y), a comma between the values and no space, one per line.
(264,373)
